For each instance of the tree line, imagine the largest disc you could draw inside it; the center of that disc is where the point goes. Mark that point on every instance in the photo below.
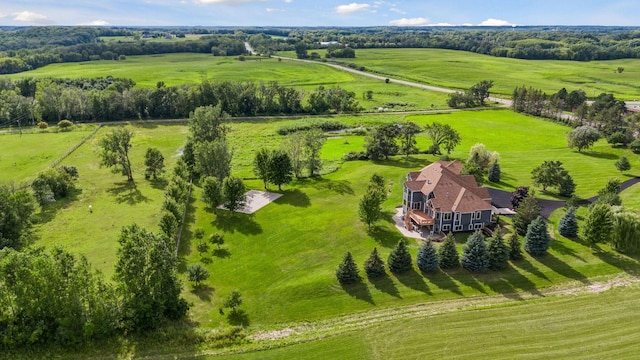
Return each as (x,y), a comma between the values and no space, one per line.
(110,99)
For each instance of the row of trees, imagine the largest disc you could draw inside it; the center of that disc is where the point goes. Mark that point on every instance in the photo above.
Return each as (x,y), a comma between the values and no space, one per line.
(52,100)
(475,96)
(478,254)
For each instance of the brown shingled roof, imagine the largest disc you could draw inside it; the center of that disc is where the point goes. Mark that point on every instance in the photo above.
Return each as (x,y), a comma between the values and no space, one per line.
(452,191)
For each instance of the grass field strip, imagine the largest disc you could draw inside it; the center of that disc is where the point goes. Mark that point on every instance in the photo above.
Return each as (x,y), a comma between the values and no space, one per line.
(296,334)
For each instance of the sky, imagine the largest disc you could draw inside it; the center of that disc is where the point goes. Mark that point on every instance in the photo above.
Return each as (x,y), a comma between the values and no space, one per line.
(319,12)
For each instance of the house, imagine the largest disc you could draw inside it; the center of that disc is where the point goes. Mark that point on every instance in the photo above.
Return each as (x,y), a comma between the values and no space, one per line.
(440,199)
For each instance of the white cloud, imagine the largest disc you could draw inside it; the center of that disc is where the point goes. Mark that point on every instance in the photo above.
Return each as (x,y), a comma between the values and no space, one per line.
(495,22)
(273,10)
(352,8)
(288,1)
(419,21)
(95,23)
(227,2)
(31,17)
(397,11)
(2,15)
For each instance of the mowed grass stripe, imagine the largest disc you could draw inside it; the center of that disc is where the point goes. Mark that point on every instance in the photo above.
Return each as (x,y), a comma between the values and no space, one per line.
(604,325)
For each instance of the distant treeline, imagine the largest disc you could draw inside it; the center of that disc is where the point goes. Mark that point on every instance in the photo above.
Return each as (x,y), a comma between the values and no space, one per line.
(24,49)
(87,47)
(112,99)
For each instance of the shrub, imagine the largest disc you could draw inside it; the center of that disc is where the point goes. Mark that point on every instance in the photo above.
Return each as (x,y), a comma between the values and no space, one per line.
(635,146)
(42,125)
(324,125)
(355,155)
(65,124)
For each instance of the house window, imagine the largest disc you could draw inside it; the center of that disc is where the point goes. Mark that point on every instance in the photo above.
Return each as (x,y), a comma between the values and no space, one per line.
(457,217)
(457,228)
(477,215)
(447,216)
(478,226)
(446,227)
(470,226)
(416,206)
(437,216)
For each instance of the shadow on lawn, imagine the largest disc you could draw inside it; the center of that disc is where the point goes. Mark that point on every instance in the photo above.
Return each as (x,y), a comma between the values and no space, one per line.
(359,290)
(48,211)
(384,236)
(404,162)
(562,268)
(230,222)
(630,265)
(238,317)
(442,280)
(294,197)
(386,285)
(127,192)
(527,266)
(159,183)
(600,155)
(203,292)
(413,280)
(560,248)
(221,253)
(341,187)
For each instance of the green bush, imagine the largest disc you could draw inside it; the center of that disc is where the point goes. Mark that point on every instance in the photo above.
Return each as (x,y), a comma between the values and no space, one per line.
(42,125)
(65,124)
(324,125)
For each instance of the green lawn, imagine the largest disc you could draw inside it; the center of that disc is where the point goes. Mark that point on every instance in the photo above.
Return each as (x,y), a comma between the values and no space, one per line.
(283,258)
(23,156)
(184,68)
(460,69)
(631,198)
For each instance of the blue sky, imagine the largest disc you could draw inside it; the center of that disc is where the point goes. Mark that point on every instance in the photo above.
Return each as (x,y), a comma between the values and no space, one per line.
(319,12)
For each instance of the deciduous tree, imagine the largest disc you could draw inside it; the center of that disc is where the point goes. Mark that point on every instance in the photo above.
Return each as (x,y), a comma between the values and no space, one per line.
(212,192)
(197,273)
(115,151)
(261,165)
(598,225)
(154,161)
(408,132)
(582,137)
(233,192)
(280,170)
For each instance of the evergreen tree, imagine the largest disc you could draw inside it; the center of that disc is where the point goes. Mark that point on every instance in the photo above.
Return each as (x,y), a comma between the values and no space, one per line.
(494,172)
(566,186)
(598,225)
(347,272)
(537,240)
(498,252)
(399,260)
(448,257)
(374,266)
(427,258)
(568,225)
(474,254)
(515,250)
(528,210)
(623,164)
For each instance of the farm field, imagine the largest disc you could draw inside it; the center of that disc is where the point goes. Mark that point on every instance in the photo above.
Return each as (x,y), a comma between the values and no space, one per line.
(177,69)
(23,156)
(460,70)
